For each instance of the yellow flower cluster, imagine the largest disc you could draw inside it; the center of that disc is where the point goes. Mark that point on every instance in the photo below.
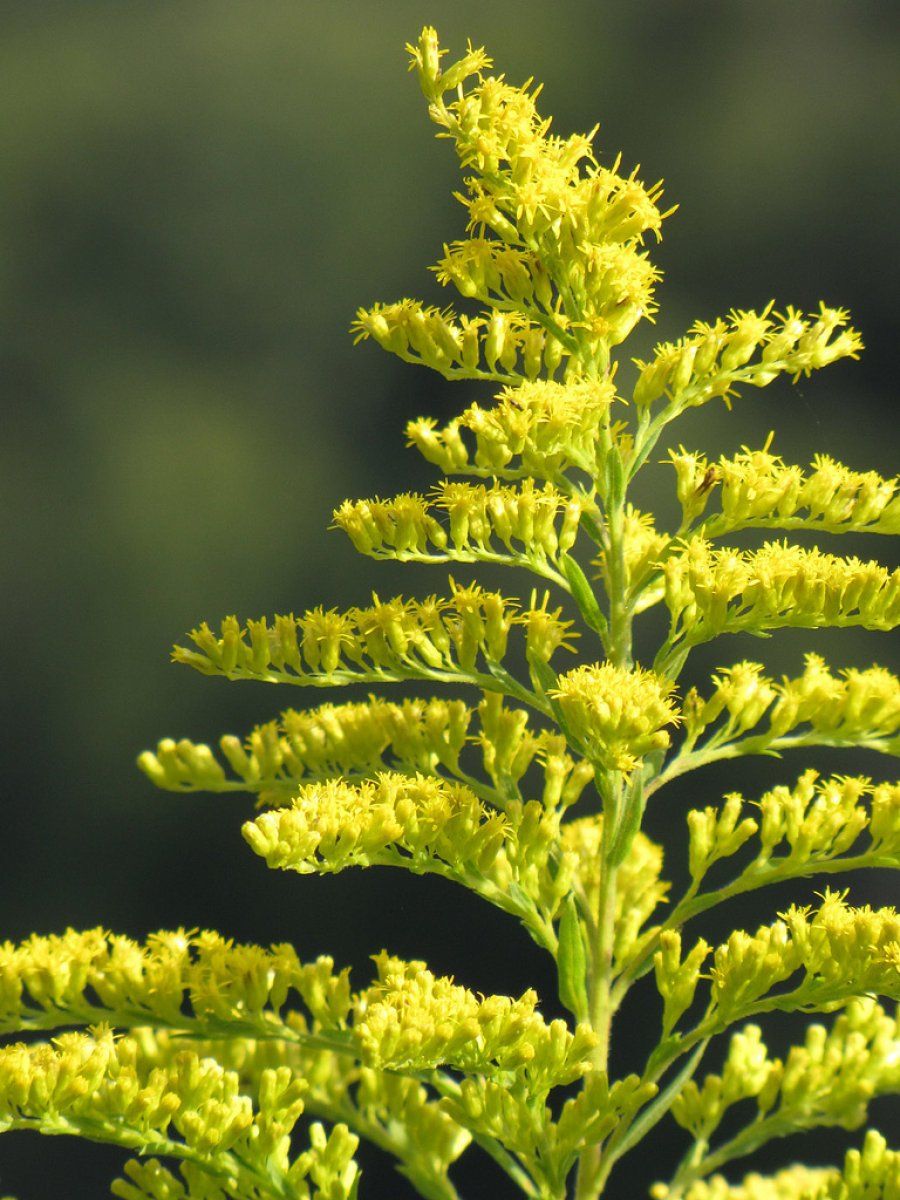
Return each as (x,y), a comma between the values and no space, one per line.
(842,952)
(677,975)
(361,739)
(503,347)
(829,1080)
(538,429)
(710,592)
(332,739)
(756,489)
(617,715)
(509,748)
(425,825)
(93,976)
(639,886)
(229,1044)
(548,1147)
(394,1112)
(793,1183)
(394,820)
(851,707)
(531,523)
(554,233)
(413,1020)
(747,348)
(189,1108)
(872,1173)
(409,1019)
(817,820)
(435,638)
(483,268)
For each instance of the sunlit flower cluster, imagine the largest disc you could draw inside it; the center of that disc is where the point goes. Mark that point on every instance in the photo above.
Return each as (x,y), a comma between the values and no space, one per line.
(852,706)
(801,828)
(189,1108)
(465,522)
(221,1047)
(872,1173)
(746,348)
(755,488)
(538,429)
(710,592)
(413,1019)
(391,639)
(618,715)
(828,1080)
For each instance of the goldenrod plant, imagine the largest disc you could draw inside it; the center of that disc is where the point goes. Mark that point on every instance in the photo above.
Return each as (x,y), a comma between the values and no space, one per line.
(201,1055)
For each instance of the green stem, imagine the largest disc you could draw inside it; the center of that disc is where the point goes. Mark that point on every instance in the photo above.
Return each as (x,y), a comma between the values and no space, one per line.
(714,751)
(756,876)
(497,680)
(627,1136)
(698,1164)
(528,562)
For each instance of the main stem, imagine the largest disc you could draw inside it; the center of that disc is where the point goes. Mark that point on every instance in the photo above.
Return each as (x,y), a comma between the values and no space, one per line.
(590,1178)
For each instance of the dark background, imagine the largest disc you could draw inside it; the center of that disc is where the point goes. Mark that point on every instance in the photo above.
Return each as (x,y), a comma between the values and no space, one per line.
(194,198)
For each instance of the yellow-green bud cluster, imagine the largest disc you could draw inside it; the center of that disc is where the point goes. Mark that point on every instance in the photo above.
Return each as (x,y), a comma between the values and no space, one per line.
(93,1085)
(504,347)
(426,62)
(841,951)
(509,748)
(872,1173)
(747,348)
(465,522)
(408,1019)
(639,886)
(413,1020)
(538,429)
(823,818)
(677,976)
(93,975)
(851,707)
(829,1080)
(392,639)
(333,739)
(424,825)
(710,592)
(392,820)
(363,738)
(391,1110)
(548,1147)
(756,489)
(616,714)
(485,269)
(812,823)
(537,870)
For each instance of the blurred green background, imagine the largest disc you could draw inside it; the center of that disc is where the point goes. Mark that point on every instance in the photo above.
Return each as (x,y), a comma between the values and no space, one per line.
(194,198)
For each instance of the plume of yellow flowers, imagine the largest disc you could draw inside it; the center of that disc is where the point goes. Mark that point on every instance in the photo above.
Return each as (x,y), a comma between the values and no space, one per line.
(200,1055)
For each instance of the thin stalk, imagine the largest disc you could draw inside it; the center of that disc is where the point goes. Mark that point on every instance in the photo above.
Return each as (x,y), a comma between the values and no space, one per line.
(590,1174)
(756,876)
(715,751)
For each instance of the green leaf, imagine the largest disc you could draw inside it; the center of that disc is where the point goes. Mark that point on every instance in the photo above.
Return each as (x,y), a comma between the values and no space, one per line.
(615,478)
(571,961)
(583,594)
